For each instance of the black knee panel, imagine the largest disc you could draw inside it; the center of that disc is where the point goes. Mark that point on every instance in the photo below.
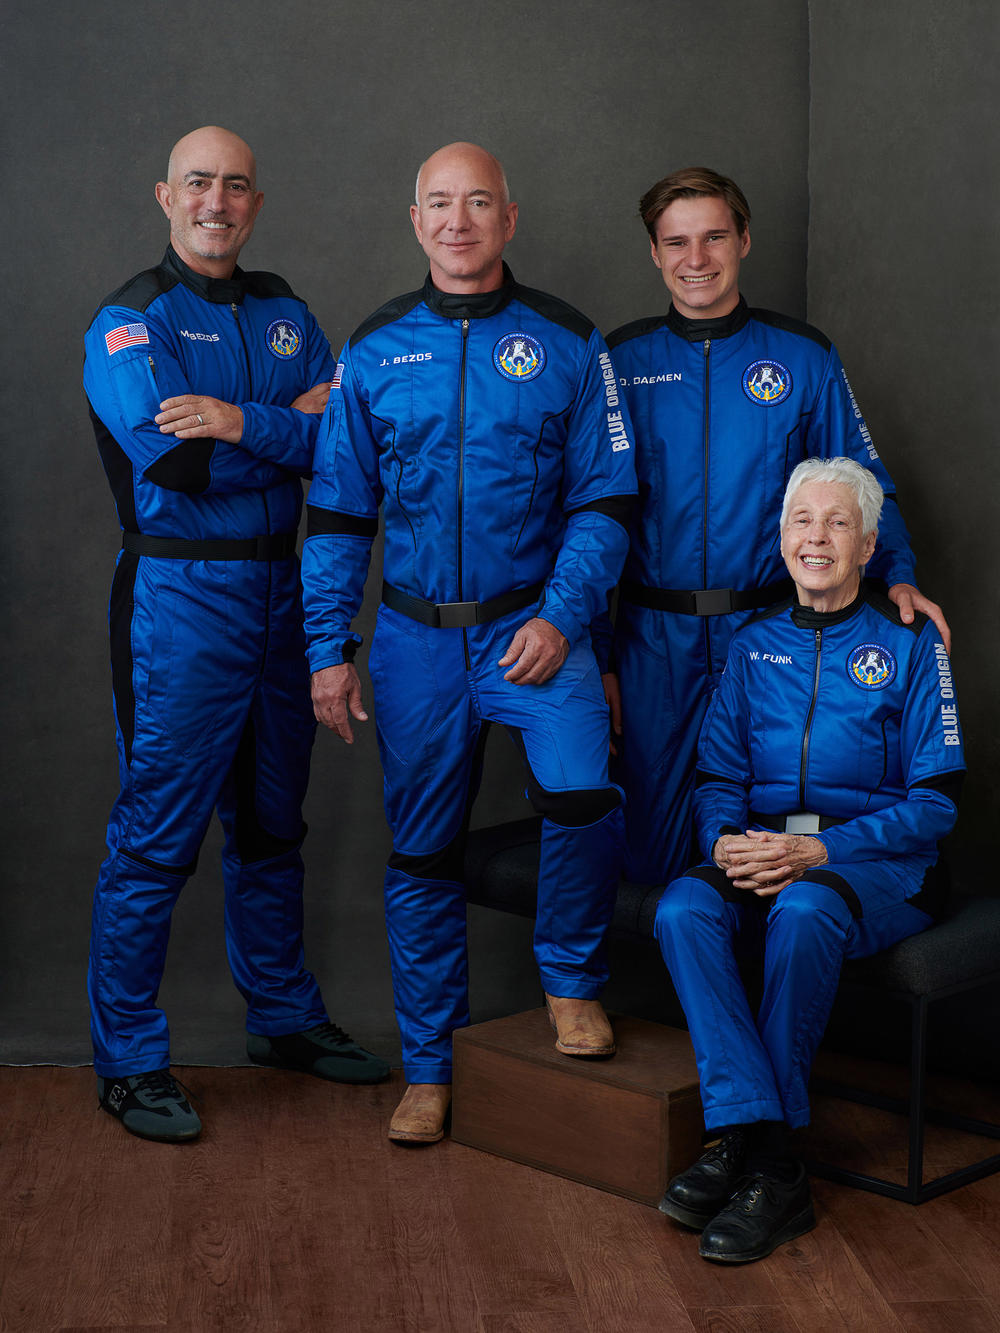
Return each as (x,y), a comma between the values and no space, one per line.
(446,864)
(254,843)
(574,809)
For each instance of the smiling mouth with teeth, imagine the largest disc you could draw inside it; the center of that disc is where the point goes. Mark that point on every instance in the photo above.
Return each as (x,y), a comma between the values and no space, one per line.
(705,277)
(818,561)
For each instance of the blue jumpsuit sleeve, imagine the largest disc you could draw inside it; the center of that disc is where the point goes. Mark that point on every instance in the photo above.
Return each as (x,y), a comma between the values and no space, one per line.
(342,508)
(284,435)
(836,428)
(723,776)
(125,389)
(599,486)
(932,762)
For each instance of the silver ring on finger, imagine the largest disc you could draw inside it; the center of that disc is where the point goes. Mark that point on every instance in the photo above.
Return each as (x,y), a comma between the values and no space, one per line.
(201,419)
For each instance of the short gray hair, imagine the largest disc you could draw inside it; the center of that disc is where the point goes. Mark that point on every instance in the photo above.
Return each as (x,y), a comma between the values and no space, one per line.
(845,472)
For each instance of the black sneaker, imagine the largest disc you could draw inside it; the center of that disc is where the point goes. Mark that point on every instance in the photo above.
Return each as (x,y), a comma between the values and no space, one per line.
(763,1213)
(696,1195)
(326,1051)
(152,1106)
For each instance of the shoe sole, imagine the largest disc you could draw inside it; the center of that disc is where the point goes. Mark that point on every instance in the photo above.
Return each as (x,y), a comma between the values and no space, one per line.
(273,1062)
(181,1136)
(405,1136)
(586,1052)
(798,1226)
(686,1216)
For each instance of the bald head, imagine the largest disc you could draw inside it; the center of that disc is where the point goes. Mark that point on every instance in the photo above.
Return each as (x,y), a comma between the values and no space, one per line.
(207,142)
(211,198)
(467,152)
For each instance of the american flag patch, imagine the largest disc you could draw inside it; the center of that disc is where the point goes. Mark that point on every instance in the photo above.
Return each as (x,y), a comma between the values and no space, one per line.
(126,335)
(338,375)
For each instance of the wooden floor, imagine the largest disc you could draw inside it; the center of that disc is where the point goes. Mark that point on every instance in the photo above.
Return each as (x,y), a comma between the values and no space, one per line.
(293,1212)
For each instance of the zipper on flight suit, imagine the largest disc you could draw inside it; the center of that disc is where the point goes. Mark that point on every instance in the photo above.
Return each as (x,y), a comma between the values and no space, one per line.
(461,475)
(707,348)
(804,755)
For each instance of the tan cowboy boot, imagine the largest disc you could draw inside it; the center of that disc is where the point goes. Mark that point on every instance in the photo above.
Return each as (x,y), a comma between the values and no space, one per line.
(419,1117)
(581,1026)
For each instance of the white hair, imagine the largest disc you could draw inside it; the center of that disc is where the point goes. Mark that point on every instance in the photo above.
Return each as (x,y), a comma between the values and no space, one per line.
(844,472)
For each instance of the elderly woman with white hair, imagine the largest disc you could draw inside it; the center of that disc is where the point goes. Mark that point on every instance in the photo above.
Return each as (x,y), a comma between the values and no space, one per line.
(829,768)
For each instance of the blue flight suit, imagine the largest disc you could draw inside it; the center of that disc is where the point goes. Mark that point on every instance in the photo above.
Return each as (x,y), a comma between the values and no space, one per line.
(851,717)
(211,689)
(489,429)
(723,410)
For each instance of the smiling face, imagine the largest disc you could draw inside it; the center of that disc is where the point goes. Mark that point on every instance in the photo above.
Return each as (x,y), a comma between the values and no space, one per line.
(698,248)
(211,199)
(462,218)
(824,545)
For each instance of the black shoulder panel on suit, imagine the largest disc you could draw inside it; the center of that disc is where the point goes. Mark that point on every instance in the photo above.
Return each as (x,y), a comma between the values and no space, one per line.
(789,325)
(386,314)
(141,291)
(551,307)
(635,329)
(879,602)
(264,285)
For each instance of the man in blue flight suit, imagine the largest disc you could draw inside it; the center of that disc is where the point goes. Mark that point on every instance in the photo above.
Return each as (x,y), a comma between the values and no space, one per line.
(484,418)
(725,402)
(205,386)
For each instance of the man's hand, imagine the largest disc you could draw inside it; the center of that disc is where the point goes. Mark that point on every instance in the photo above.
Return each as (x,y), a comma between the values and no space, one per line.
(765,863)
(194,417)
(537,651)
(613,695)
(314,399)
(909,599)
(336,689)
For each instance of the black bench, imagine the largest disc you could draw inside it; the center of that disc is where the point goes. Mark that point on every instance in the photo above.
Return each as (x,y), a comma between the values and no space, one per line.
(961,954)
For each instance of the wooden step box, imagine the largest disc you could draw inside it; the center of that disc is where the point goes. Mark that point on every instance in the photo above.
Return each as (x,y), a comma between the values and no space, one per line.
(626,1124)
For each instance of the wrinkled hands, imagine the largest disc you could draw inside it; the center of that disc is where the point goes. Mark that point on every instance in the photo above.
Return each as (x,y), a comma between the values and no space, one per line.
(537,651)
(764,862)
(314,399)
(193,416)
(336,692)
(910,599)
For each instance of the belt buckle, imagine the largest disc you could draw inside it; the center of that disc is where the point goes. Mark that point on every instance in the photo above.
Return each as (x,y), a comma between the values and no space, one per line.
(457,615)
(713,601)
(803,822)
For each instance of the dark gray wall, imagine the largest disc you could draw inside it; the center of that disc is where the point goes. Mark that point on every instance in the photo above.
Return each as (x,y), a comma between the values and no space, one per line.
(904,202)
(587,104)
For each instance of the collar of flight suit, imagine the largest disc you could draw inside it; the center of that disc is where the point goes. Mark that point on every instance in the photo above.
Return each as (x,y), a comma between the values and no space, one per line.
(220,291)
(806,618)
(698,330)
(469,305)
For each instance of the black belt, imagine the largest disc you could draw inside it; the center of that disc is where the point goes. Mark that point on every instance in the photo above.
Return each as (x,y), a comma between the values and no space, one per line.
(459,615)
(803,821)
(704,601)
(277,546)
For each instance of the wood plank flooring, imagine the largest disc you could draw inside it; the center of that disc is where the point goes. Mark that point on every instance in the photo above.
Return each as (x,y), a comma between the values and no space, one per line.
(293,1212)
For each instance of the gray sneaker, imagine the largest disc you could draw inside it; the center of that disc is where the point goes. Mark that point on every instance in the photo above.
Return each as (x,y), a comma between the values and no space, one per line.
(152,1106)
(325,1050)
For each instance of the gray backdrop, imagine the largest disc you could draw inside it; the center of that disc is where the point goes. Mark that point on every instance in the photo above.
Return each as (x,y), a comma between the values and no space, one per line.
(859,132)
